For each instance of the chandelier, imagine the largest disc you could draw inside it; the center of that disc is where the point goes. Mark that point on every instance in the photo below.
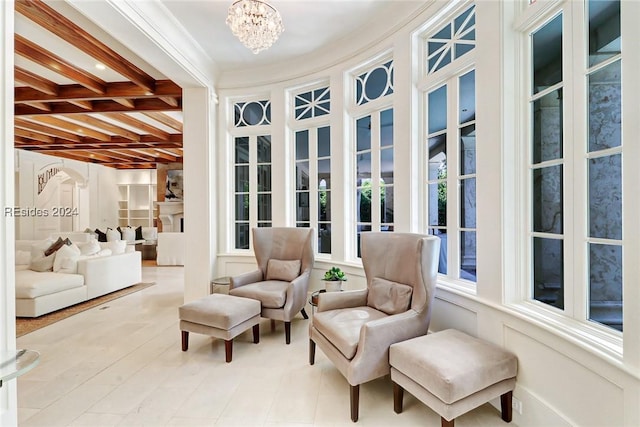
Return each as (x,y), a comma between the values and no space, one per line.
(256,23)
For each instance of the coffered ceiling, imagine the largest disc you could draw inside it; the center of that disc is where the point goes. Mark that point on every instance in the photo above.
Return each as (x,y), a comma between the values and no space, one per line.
(75,97)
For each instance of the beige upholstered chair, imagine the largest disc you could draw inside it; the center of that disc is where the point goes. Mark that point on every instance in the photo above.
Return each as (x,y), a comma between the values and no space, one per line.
(285,260)
(355,329)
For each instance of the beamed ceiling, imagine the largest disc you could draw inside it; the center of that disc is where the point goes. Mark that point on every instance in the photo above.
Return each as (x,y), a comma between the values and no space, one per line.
(119,116)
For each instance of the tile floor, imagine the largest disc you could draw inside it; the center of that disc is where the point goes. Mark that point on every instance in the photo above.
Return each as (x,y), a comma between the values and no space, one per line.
(120,364)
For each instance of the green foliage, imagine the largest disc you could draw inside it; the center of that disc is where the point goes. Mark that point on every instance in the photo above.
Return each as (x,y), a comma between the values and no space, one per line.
(442,194)
(335,274)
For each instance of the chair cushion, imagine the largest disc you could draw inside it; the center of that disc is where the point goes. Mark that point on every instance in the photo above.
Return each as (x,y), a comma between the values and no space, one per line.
(283,270)
(451,364)
(389,297)
(270,293)
(342,326)
(219,311)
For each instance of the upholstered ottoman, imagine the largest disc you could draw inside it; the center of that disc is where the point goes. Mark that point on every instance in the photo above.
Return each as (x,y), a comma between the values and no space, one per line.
(220,316)
(452,373)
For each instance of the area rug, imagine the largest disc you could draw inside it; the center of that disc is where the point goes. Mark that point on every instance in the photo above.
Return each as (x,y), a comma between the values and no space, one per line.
(24,325)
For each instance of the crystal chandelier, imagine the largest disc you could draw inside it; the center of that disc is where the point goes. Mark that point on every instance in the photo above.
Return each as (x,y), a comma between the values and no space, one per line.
(256,23)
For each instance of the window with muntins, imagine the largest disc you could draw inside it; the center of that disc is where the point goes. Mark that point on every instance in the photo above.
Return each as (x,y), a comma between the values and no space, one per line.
(452,41)
(576,193)
(313,103)
(252,170)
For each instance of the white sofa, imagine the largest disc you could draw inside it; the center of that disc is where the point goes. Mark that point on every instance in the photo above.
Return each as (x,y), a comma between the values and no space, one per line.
(171,248)
(38,293)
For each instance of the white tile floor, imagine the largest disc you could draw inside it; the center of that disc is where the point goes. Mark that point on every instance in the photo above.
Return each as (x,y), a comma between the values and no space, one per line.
(121,364)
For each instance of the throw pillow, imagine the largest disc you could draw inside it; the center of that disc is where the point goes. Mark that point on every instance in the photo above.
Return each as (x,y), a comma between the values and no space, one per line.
(112,235)
(120,231)
(389,297)
(39,261)
(66,260)
(283,270)
(116,246)
(54,247)
(139,233)
(102,237)
(128,234)
(23,257)
(92,247)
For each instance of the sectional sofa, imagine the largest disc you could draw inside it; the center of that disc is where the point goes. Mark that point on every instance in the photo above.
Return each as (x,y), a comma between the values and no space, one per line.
(38,293)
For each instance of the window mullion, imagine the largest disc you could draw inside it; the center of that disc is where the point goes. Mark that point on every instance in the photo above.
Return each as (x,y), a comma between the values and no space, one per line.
(375,171)
(453,179)
(313,178)
(253,184)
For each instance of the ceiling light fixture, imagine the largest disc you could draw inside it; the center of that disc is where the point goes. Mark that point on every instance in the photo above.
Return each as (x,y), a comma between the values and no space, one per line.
(256,23)
(100,66)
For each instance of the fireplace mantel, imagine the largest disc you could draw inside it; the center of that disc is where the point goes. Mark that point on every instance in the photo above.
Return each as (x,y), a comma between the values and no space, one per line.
(170,214)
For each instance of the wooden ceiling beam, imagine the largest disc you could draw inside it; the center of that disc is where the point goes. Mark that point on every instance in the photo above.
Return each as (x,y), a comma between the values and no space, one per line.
(73,127)
(173,102)
(37,54)
(39,105)
(46,130)
(39,84)
(68,155)
(132,154)
(109,127)
(30,135)
(138,124)
(126,102)
(165,120)
(87,105)
(46,17)
(165,156)
(164,88)
(104,106)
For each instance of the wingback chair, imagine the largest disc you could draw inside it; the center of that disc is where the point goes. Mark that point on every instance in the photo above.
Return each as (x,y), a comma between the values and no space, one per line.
(285,260)
(355,329)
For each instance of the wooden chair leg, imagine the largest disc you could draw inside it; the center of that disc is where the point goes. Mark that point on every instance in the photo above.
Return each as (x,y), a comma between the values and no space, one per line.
(445,423)
(398,395)
(228,350)
(355,401)
(185,340)
(304,313)
(287,332)
(505,406)
(312,352)
(256,333)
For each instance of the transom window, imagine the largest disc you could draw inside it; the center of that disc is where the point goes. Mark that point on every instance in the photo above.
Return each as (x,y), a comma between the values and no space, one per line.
(375,83)
(254,113)
(314,103)
(455,39)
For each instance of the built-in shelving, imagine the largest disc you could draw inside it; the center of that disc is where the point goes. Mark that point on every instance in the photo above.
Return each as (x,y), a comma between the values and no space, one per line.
(136,206)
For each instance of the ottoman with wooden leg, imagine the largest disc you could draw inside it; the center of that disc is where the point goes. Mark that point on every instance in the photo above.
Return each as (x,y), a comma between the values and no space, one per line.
(452,373)
(220,316)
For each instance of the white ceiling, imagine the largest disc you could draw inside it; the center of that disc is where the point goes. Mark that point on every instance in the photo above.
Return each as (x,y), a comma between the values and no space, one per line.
(309,26)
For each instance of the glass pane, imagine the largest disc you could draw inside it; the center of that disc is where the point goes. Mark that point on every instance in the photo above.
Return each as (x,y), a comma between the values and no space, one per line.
(242,150)
(302,175)
(437,107)
(242,235)
(253,113)
(460,19)
(361,229)
(264,177)
(324,238)
(386,204)
(442,259)
(363,202)
(605,285)
(242,207)
(264,224)
(548,271)
(604,30)
(605,108)
(264,207)
(302,206)
(302,145)
(386,128)
(264,149)
(547,200)
(467,107)
(376,83)
(438,204)
(386,166)
(438,157)
(363,168)
(242,179)
(324,141)
(303,224)
(547,55)
(363,134)
(468,203)
(605,197)
(468,261)
(324,173)
(547,127)
(468,150)
(324,206)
